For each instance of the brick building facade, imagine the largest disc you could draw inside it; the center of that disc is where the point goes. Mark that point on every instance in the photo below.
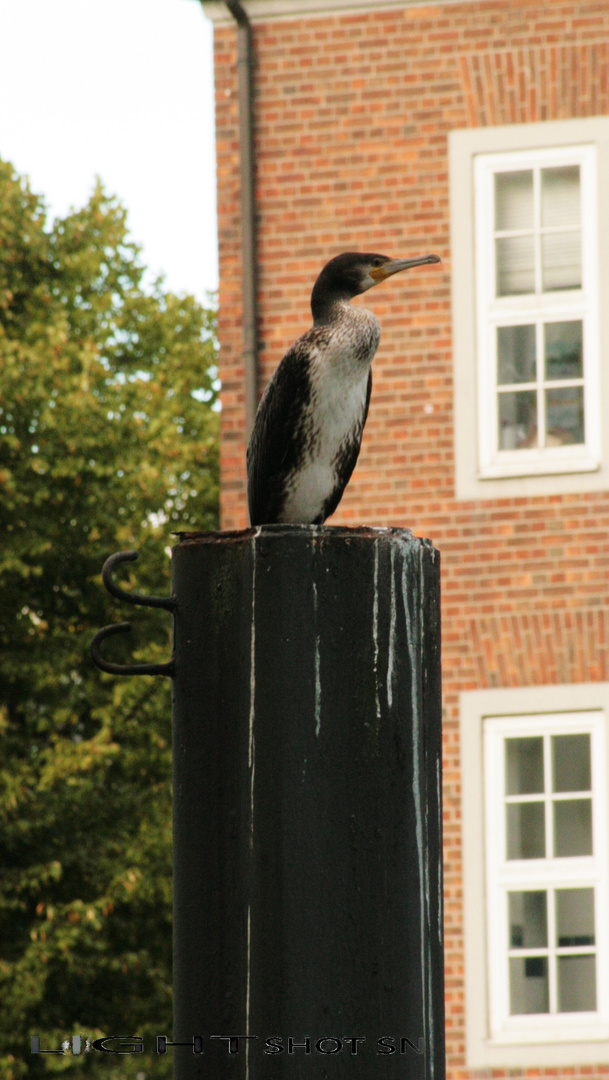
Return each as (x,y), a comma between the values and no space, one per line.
(370,119)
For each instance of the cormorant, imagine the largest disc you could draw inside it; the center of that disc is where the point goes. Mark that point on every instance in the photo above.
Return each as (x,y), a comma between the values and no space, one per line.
(309,424)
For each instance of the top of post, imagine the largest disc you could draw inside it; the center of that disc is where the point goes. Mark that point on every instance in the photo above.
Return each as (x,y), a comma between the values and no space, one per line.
(360,533)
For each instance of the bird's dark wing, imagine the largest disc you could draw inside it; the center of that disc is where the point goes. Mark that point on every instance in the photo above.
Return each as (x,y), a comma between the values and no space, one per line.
(345,464)
(367,405)
(275,446)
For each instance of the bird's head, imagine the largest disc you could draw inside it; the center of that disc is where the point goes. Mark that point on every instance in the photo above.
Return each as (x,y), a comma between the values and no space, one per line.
(353,273)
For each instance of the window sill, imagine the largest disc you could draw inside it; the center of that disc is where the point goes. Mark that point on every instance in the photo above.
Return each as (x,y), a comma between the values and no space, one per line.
(512,469)
(562,1030)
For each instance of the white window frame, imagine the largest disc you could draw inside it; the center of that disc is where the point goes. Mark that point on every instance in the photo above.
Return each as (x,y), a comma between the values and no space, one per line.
(537,308)
(474,480)
(503,876)
(485,1046)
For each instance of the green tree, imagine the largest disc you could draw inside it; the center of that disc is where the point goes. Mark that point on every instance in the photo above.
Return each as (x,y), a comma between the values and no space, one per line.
(108,441)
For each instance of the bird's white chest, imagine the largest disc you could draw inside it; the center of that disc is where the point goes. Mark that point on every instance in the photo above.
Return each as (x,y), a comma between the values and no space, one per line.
(337,407)
(337,419)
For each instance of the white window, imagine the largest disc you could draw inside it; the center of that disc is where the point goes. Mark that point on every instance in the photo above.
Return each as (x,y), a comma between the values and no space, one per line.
(535,858)
(546,877)
(529,223)
(536,239)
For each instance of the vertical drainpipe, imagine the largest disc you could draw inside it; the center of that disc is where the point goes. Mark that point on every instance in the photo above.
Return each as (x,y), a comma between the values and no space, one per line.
(248,223)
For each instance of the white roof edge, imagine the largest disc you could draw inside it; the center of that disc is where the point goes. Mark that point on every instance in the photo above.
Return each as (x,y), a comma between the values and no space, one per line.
(267,10)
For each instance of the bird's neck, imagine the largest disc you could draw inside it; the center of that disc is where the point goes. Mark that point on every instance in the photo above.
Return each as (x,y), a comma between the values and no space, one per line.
(345,341)
(327,306)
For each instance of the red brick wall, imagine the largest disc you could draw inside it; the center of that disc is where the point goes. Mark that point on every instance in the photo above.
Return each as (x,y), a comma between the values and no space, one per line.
(352,117)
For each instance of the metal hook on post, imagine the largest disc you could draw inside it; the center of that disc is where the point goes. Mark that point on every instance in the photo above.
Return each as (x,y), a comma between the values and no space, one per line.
(169,603)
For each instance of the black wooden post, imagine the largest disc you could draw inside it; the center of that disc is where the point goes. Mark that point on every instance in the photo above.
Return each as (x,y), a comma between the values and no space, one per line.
(307,806)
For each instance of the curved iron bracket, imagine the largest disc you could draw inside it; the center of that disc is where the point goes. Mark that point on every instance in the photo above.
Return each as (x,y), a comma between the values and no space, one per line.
(169,603)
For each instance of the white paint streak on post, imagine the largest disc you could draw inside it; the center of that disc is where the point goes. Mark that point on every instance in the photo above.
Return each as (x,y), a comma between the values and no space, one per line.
(317,664)
(375,630)
(392,626)
(251,748)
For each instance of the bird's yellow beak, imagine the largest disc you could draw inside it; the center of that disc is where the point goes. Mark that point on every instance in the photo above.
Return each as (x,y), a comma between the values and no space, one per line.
(380,273)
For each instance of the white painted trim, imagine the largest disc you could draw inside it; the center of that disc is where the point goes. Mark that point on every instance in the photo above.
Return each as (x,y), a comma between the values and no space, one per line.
(538,703)
(464,148)
(274,10)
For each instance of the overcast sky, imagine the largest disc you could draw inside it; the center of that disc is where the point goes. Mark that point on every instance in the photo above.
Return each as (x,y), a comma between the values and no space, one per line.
(122,89)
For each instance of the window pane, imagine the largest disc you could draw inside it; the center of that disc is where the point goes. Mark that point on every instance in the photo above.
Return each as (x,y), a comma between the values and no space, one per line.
(560,199)
(516,265)
(528,920)
(576,983)
(516,354)
(524,766)
(514,200)
(574,917)
(565,416)
(571,763)
(526,831)
(563,347)
(572,827)
(561,261)
(518,420)
(529,985)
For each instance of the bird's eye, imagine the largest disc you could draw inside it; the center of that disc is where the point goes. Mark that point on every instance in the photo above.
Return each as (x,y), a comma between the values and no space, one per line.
(377,262)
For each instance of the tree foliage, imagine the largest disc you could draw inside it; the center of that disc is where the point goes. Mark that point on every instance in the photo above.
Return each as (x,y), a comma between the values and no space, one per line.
(108,441)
